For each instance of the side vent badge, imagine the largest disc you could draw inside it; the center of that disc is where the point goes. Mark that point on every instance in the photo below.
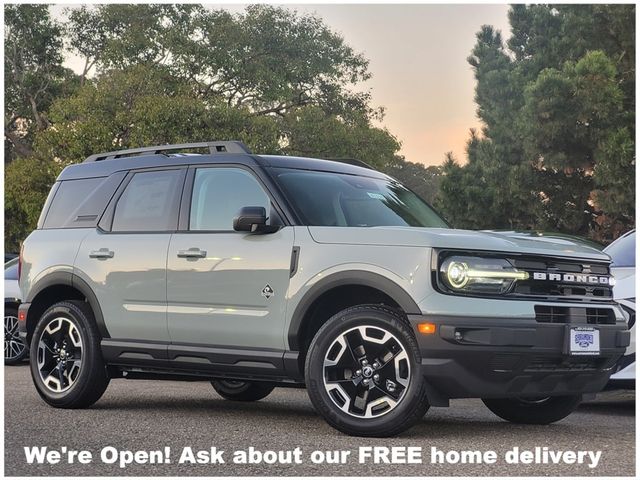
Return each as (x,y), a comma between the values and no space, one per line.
(267,291)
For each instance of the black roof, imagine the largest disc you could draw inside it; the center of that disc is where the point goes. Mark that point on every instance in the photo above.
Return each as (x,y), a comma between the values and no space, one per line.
(106,167)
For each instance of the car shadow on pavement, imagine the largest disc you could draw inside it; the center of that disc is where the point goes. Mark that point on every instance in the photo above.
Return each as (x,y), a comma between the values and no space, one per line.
(192,405)
(626,408)
(439,428)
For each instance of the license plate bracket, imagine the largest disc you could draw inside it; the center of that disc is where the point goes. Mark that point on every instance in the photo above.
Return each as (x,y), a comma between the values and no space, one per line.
(583,341)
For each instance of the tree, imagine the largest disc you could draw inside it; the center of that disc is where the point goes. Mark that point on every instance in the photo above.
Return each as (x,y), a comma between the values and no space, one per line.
(556,150)
(27,182)
(311,132)
(139,106)
(424,181)
(267,59)
(33,73)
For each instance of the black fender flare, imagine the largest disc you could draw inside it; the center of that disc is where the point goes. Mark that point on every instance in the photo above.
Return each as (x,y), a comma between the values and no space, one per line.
(349,277)
(71,280)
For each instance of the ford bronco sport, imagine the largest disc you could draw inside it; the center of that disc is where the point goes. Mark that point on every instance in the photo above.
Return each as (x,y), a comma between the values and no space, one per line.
(255,271)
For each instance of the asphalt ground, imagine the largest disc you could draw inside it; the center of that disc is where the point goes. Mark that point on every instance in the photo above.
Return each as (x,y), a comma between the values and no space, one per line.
(151,415)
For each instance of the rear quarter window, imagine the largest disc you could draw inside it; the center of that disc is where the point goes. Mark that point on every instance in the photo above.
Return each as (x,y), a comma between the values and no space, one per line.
(71,194)
(79,203)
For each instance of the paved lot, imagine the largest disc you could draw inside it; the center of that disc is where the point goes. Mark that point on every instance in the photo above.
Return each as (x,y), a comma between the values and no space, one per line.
(148,415)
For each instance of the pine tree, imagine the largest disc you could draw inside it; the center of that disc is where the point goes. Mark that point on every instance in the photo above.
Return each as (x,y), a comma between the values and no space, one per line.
(556,151)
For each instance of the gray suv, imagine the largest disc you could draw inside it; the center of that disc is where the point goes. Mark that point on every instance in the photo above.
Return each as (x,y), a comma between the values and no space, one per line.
(255,271)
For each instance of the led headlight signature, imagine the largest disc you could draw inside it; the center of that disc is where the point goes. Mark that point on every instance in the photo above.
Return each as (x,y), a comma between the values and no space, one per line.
(468,274)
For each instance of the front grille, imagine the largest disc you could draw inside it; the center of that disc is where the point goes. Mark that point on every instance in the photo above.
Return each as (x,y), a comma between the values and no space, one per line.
(592,316)
(564,364)
(505,363)
(578,290)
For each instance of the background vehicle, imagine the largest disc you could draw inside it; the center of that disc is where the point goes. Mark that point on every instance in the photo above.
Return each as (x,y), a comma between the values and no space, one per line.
(254,271)
(623,268)
(15,350)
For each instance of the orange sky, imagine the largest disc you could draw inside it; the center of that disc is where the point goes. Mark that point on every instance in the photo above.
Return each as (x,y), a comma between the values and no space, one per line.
(417,56)
(420,73)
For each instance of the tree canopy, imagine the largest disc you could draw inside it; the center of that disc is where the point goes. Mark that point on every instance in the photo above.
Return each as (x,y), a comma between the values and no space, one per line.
(33,74)
(557,103)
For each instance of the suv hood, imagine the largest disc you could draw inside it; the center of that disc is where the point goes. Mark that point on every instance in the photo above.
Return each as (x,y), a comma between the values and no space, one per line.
(455,239)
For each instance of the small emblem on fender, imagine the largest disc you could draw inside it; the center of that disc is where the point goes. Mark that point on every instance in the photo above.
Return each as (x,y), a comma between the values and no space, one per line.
(267,291)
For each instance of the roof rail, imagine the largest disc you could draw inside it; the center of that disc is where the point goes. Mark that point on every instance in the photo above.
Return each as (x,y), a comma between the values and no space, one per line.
(214,148)
(352,161)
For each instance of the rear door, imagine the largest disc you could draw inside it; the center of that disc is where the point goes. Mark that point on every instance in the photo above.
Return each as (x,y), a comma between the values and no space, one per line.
(226,288)
(124,261)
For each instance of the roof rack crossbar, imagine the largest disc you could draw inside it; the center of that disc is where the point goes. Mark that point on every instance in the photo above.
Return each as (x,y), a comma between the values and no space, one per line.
(214,148)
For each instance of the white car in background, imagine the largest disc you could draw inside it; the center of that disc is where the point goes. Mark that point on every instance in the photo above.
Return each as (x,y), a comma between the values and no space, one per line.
(623,268)
(15,349)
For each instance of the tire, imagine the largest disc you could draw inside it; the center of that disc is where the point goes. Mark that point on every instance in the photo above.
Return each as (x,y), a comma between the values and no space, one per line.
(379,398)
(531,411)
(66,362)
(15,350)
(241,391)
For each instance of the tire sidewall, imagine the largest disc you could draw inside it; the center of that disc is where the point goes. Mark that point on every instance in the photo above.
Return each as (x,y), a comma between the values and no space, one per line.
(314,368)
(222,386)
(80,321)
(249,391)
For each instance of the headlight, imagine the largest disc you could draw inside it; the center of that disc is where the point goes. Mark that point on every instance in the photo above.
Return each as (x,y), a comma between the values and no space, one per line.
(467,274)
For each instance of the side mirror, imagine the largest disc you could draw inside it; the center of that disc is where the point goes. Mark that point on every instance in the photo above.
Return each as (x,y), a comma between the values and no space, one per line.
(253,220)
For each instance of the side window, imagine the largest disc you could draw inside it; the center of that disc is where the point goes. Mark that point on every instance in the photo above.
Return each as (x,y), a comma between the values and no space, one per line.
(69,196)
(149,203)
(218,195)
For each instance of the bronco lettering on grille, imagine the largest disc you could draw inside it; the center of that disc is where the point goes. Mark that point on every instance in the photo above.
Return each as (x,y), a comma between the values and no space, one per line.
(572,278)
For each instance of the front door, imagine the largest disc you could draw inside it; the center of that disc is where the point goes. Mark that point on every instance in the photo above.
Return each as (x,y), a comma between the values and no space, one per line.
(225,288)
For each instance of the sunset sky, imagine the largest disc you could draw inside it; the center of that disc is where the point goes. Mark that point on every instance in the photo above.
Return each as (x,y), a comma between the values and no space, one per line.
(417,56)
(420,73)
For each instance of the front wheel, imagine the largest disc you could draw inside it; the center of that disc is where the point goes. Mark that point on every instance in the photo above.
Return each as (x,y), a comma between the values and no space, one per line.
(242,391)
(363,372)
(533,411)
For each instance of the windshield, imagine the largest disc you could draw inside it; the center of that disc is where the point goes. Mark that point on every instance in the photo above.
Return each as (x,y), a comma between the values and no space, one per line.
(341,200)
(623,251)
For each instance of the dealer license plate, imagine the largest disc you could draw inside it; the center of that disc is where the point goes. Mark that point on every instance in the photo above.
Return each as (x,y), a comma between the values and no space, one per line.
(584,341)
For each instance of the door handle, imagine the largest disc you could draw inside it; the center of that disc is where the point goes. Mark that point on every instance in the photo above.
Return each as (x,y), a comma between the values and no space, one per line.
(103,253)
(192,253)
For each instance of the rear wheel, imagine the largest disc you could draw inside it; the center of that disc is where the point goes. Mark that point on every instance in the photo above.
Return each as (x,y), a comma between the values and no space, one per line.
(15,350)
(363,372)
(242,391)
(66,361)
(533,411)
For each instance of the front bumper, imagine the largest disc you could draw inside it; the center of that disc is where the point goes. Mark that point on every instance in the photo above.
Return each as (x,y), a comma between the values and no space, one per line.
(511,357)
